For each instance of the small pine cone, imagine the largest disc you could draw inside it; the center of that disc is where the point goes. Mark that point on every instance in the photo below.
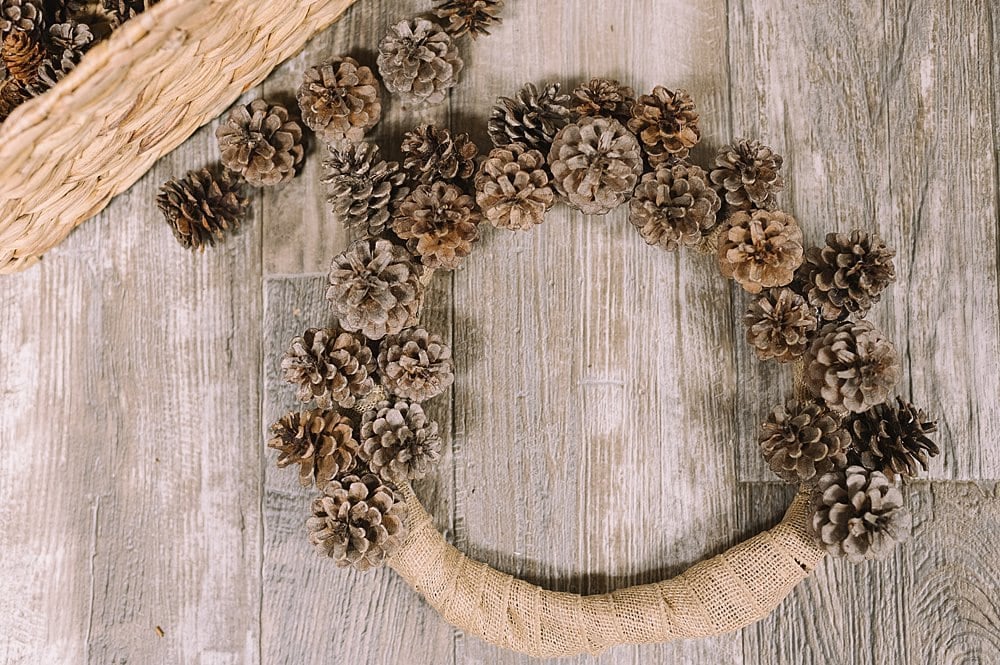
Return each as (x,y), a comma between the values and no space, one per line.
(779,322)
(761,250)
(12,95)
(71,35)
(415,365)
(469,17)
(858,514)
(358,521)
(339,100)
(122,10)
(604,97)
(398,442)
(848,274)
(893,439)
(531,118)
(23,54)
(375,287)
(513,188)
(595,164)
(419,61)
(54,69)
(330,366)
(747,175)
(852,366)
(431,153)
(21,15)
(202,207)
(321,442)
(674,206)
(261,143)
(439,223)
(801,441)
(362,187)
(666,124)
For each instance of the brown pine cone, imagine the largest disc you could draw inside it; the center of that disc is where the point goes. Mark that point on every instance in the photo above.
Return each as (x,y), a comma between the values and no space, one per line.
(666,124)
(71,35)
(54,69)
(398,442)
(21,15)
(12,95)
(674,205)
(261,143)
(419,61)
(439,224)
(595,164)
(202,207)
(358,521)
(893,439)
(761,249)
(531,118)
(801,441)
(469,17)
(340,100)
(363,188)
(852,366)
(375,287)
(22,54)
(604,97)
(847,275)
(431,153)
(513,188)
(747,175)
(330,366)
(122,10)
(415,365)
(321,442)
(779,322)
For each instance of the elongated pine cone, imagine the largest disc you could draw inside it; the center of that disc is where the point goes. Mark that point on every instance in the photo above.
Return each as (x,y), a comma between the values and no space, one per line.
(321,442)
(469,17)
(20,15)
(398,442)
(330,366)
(22,54)
(859,515)
(673,206)
(513,188)
(202,207)
(340,99)
(531,117)
(666,124)
(747,174)
(431,153)
(801,441)
(439,223)
(363,188)
(848,274)
(604,97)
(893,439)
(375,287)
(415,365)
(419,61)
(779,322)
(358,521)
(852,366)
(761,249)
(261,143)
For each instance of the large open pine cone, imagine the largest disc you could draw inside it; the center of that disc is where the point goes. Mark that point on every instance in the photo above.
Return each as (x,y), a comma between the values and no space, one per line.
(779,322)
(513,188)
(531,117)
(801,441)
(398,442)
(330,366)
(340,99)
(419,61)
(604,97)
(761,249)
(260,142)
(71,35)
(469,17)
(893,439)
(431,153)
(362,187)
(852,366)
(202,207)
(321,442)
(665,123)
(848,274)
(674,205)
(415,364)
(439,223)
(22,15)
(747,175)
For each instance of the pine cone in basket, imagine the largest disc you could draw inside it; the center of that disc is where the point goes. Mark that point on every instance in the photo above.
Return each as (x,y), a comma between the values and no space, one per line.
(21,15)
(12,95)
(761,249)
(666,124)
(858,514)
(848,274)
(54,69)
(531,118)
(330,365)
(398,442)
(779,322)
(431,153)
(71,35)
(23,54)
(321,442)
(440,224)
(674,205)
(747,175)
(375,287)
(358,521)
(801,441)
(261,143)
(604,97)
(362,187)
(893,439)
(595,164)
(415,364)
(419,61)
(852,366)
(122,10)
(513,188)
(340,99)
(202,207)
(469,17)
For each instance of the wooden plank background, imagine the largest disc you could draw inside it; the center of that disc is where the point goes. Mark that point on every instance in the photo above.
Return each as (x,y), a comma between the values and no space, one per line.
(600,432)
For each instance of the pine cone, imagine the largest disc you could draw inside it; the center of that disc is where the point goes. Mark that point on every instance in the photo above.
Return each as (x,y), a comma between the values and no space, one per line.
(419,61)
(604,97)
(852,366)
(666,124)
(415,365)
(747,174)
(358,521)
(847,275)
(761,250)
(340,100)
(779,322)
(122,10)
(362,187)
(259,142)
(321,442)
(398,442)
(595,164)
(893,439)
(12,95)
(375,287)
(803,440)
(330,366)
(202,206)
(472,17)
(859,514)
(674,206)
(54,69)
(431,153)
(21,15)
(513,189)
(439,223)
(530,118)
(23,54)
(71,35)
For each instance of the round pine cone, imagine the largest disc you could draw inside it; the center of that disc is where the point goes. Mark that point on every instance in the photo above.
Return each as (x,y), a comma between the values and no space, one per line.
(665,123)
(595,164)
(398,442)
(362,187)
(120,11)
(71,35)
(419,61)
(321,442)
(21,15)
(893,439)
(202,206)
(54,69)
(513,189)
(431,153)
(358,521)
(339,100)
(859,514)
(674,206)
(261,143)
(415,364)
(439,223)
(852,366)
(779,322)
(375,287)
(604,97)
(330,366)
(531,118)
(848,274)
(761,250)
(469,17)
(801,441)
(747,175)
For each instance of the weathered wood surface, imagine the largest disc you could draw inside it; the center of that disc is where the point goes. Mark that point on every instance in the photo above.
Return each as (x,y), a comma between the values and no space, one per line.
(600,430)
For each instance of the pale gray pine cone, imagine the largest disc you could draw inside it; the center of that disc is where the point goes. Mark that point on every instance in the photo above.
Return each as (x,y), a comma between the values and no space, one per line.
(71,35)
(530,117)
(23,15)
(419,61)
(513,187)
(415,364)
(123,10)
(439,223)
(851,366)
(340,100)
(779,323)
(847,275)
(801,441)
(761,249)
(330,366)
(893,439)
(604,97)
(747,175)
(363,188)
(398,441)
(260,142)
(431,153)
(666,124)
(673,205)
(202,207)
(469,17)
(321,442)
